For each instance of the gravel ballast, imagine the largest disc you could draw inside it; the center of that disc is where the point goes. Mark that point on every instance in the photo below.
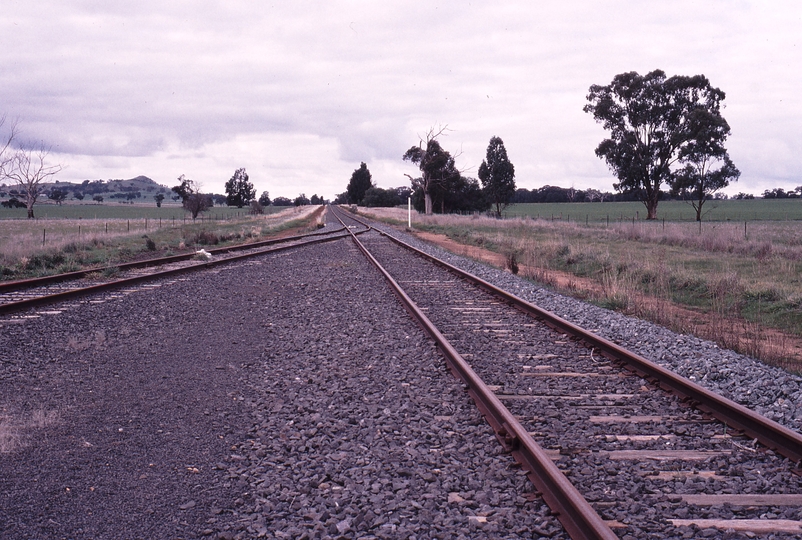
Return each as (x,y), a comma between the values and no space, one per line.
(770,391)
(286,397)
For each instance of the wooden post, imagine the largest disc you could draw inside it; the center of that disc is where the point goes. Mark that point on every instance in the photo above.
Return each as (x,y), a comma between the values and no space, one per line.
(44,234)
(129,225)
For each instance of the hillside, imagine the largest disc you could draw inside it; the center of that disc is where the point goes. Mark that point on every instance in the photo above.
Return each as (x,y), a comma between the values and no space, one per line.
(131,189)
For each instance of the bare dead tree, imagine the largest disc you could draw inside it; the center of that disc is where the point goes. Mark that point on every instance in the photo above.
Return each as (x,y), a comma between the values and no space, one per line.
(29,169)
(6,156)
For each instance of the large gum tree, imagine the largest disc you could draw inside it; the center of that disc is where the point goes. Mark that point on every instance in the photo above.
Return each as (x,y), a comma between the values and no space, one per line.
(437,166)
(648,117)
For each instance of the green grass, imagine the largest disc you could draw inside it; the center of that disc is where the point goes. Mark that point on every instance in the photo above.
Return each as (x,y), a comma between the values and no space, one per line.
(730,210)
(127,211)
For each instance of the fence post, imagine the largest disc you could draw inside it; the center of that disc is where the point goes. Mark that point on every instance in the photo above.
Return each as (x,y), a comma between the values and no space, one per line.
(44,234)
(129,225)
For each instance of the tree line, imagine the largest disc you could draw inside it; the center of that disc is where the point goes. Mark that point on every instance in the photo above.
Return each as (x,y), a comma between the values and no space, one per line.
(666,138)
(441,187)
(240,192)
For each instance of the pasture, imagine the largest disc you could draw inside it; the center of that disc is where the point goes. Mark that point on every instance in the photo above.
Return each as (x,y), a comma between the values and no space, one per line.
(712,211)
(734,284)
(167,212)
(44,246)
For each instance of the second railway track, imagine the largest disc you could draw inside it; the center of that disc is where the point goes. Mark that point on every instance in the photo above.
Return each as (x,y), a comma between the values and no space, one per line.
(19,295)
(648,462)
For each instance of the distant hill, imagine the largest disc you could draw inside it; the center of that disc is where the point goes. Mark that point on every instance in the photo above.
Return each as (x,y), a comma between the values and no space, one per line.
(131,189)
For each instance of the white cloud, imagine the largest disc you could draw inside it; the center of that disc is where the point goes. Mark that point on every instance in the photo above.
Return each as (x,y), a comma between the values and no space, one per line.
(300,93)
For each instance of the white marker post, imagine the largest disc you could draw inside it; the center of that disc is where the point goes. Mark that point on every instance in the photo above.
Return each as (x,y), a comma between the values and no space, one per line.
(409,212)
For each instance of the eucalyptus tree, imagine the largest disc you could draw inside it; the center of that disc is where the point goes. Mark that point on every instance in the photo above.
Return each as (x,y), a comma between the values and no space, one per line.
(437,166)
(648,118)
(239,191)
(707,166)
(497,175)
(361,182)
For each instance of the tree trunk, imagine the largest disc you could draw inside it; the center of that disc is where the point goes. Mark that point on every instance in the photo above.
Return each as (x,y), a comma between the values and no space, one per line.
(30,212)
(651,209)
(427,198)
(698,210)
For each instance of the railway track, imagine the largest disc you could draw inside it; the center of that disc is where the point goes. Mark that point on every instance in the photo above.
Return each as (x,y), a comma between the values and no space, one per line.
(19,295)
(618,446)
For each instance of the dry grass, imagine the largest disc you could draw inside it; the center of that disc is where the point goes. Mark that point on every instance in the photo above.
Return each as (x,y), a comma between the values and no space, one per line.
(743,291)
(73,244)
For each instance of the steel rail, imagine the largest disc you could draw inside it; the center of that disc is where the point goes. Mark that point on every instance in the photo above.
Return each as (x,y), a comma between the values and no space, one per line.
(68,276)
(65,295)
(734,415)
(574,512)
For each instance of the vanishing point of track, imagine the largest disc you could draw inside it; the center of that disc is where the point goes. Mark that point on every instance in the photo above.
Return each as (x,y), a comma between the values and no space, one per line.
(609,451)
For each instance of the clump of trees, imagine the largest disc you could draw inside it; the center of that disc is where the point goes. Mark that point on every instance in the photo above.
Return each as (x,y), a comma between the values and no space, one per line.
(442,187)
(663,131)
(192,199)
(439,174)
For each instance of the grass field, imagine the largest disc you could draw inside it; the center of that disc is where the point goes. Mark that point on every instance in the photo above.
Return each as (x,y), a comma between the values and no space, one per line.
(124,211)
(730,210)
(30,248)
(747,284)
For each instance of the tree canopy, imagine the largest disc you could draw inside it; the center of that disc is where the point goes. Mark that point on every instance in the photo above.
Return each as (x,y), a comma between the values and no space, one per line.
(439,174)
(497,175)
(361,181)
(239,191)
(707,166)
(648,120)
(192,199)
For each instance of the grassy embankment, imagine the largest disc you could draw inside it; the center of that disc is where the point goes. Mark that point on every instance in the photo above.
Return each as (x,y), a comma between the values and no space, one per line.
(121,235)
(740,286)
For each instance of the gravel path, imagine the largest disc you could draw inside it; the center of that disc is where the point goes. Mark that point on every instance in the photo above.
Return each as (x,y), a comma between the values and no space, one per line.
(771,391)
(287,397)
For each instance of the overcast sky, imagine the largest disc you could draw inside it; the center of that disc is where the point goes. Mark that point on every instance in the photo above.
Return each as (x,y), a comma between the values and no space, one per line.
(299,93)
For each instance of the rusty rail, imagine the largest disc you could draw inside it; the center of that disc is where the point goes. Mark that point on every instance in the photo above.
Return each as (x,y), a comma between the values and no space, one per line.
(573,511)
(768,432)
(65,295)
(7,286)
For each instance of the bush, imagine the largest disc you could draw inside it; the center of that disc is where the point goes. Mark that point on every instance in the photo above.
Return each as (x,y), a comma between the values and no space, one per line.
(206,238)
